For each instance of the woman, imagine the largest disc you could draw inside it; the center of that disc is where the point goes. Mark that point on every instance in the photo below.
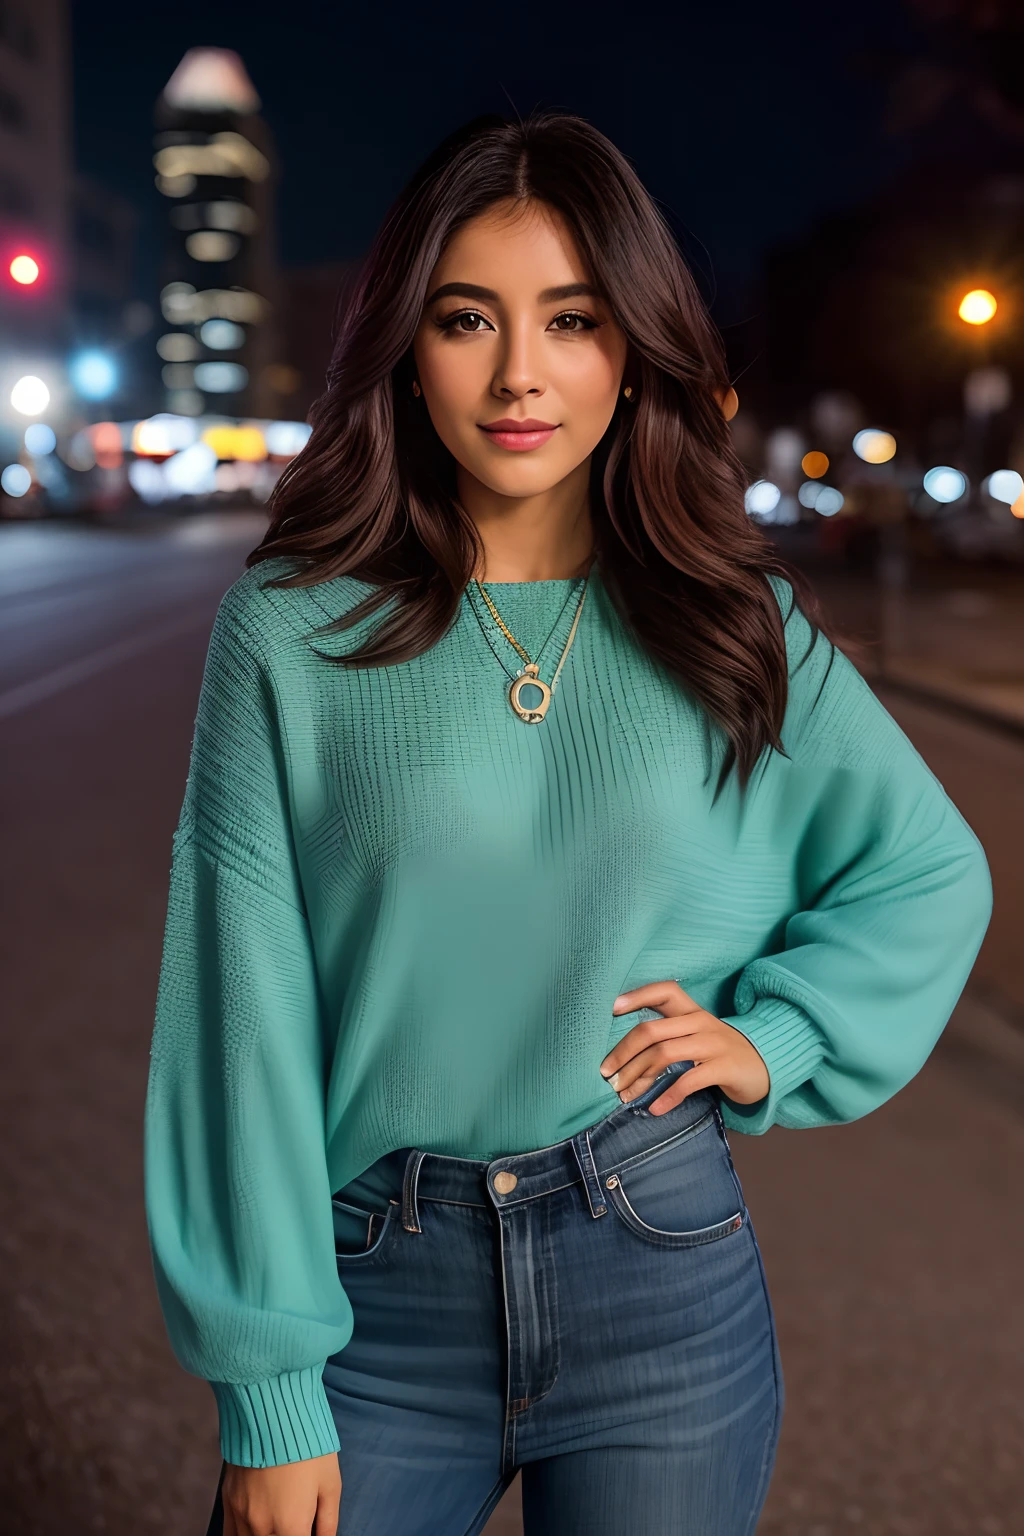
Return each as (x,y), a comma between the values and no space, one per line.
(488,918)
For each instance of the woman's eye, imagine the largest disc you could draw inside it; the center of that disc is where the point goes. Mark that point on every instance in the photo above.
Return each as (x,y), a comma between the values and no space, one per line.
(467,320)
(572,321)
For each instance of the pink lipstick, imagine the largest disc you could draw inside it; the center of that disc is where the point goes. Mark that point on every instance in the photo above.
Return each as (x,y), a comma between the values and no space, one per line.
(519,436)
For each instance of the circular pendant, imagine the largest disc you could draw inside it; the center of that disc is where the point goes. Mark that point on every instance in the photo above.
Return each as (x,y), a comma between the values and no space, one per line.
(528,678)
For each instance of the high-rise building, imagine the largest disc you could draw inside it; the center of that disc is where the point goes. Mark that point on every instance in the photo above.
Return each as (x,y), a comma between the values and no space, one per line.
(214,163)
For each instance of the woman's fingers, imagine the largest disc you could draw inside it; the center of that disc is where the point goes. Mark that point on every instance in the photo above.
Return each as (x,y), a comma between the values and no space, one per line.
(651,1032)
(663,995)
(327,1514)
(637,1074)
(689,1082)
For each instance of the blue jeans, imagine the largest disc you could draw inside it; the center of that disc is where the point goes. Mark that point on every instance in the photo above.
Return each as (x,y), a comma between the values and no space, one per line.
(593,1314)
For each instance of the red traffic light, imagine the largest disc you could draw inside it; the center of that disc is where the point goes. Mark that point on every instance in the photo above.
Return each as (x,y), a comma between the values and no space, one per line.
(24,269)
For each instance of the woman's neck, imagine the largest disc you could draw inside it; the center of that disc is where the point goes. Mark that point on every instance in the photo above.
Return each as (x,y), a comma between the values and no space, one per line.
(545,537)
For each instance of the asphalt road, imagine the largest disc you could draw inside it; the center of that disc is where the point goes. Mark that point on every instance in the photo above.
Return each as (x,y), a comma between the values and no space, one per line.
(893,1246)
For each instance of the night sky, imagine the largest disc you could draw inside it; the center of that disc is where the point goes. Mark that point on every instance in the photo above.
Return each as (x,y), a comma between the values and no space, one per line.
(744,119)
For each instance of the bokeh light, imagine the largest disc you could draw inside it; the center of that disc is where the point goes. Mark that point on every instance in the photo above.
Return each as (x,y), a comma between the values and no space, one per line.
(191,472)
(221,335)
(159,436)
(284,439)
(945,484)
(93,374)
(829,501)
(25,270)
(212,245)
(221,378)
(16,480)
(1005,485)
(40,439)
(814,464)
(177,347)
(874,446)
(229,442)
(977,307)
(762,498)
(30,396)
(107,444)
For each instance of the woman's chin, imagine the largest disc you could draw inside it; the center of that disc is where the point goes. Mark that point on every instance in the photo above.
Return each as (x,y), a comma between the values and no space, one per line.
(520,479)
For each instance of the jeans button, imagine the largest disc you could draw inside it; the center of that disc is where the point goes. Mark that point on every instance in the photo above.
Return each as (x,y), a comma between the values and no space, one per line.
(505,1182)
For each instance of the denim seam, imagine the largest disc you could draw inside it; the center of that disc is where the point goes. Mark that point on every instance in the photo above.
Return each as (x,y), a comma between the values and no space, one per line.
(466,1205)
(410,1181)
(591,1178)
(487,1508)
(509,1436)
(697,1238)
(634,1161)
(771,1444)
(365,1255)
(643,1157)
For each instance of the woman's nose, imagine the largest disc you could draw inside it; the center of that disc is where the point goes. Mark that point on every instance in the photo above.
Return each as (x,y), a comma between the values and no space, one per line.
(519,372)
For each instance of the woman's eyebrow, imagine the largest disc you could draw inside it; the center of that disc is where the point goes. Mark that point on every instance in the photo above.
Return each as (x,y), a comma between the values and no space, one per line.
(461,290)
(569,291)
(549,295)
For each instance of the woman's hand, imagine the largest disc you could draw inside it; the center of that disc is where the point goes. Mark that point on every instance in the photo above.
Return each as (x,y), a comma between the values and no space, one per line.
(297,1499)
(721,1055)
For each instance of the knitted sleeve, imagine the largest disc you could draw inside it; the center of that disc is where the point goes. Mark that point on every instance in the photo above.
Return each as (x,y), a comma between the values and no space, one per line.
(895,898)
(236,1184)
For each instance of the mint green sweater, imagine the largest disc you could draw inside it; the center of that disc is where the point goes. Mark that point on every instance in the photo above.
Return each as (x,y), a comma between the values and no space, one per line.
(398,917)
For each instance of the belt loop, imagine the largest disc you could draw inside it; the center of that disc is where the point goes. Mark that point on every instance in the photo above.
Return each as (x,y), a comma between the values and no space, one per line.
(410,1207)
(585,1158)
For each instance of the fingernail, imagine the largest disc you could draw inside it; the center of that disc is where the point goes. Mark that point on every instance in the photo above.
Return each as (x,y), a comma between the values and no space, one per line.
(604,1068)
(623,997)
(614,1080)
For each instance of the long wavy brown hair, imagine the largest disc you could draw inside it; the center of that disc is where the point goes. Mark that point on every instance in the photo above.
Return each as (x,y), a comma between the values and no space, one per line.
(373,493)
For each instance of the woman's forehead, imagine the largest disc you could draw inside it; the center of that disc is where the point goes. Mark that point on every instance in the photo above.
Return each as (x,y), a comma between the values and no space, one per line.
(518,239)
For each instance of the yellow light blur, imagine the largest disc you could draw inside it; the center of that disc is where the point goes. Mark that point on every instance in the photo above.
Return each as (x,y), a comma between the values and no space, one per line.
(224,154)
(151,440)
(977,307)
(240,443)
(1017,507)
(874,447)
(211,245)
(814,464)
(24,270)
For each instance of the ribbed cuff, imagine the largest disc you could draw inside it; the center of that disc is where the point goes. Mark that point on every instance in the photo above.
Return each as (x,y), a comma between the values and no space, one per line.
(791,1046)
(270,1423)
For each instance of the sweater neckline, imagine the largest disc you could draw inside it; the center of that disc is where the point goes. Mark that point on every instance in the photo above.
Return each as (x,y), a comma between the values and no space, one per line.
(539,613)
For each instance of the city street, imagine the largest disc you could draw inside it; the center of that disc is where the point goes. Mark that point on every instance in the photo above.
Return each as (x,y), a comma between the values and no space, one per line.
(893,1247)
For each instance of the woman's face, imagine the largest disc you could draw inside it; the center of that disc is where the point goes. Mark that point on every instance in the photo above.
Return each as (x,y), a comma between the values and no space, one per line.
(518,357)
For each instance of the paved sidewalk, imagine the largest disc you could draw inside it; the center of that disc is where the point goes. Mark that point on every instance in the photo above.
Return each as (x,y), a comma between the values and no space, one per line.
(997,701)
(953,636)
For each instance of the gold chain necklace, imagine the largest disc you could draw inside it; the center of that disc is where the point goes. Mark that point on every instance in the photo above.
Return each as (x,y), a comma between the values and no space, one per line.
(528,675)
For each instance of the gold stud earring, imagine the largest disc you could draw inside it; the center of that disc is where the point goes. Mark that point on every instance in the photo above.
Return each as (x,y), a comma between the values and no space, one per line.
(628,392)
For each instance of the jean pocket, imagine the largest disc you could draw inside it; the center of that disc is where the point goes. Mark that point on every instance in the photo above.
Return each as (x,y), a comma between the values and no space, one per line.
(360,1234)
(681,1194)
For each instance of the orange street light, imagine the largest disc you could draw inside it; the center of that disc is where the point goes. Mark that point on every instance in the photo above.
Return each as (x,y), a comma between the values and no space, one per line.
(977,307)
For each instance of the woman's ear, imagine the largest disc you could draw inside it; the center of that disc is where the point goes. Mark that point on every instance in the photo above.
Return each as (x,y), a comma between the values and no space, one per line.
(729,400)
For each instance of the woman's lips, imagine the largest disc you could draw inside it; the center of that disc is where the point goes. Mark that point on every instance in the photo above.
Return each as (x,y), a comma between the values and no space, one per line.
(519,436)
